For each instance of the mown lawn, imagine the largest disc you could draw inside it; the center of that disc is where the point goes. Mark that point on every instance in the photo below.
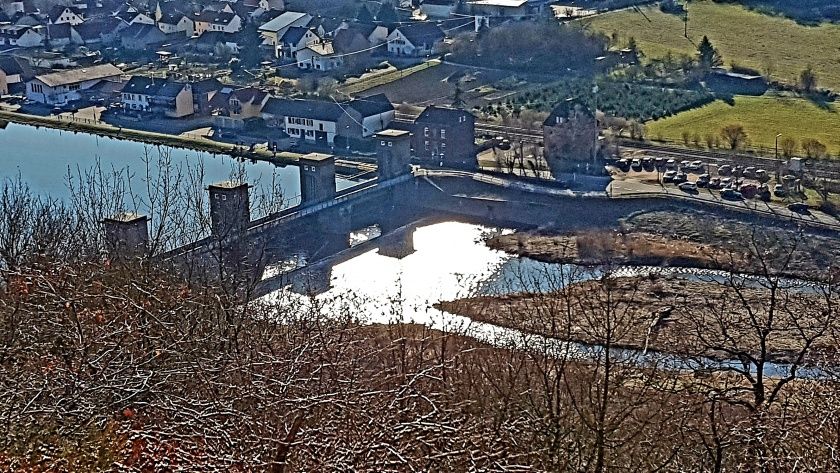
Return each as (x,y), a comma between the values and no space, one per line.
(748,38)
(763,117)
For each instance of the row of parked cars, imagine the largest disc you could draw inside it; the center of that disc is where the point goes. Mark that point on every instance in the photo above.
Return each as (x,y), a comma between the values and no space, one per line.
(650,164)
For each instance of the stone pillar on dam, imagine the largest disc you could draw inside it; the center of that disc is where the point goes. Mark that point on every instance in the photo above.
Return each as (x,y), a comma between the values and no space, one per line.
(230,209)
(393,153)
(127,236)
(317,178)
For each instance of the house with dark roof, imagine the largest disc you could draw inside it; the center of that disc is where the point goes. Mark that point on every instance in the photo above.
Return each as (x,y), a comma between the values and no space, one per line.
(445,136)
(66,86)
(438,9)
(322,122)
(206,43)
(294,39)
(203,93)
(232,107)
(272,31)
(570,135)
(17,36)
(59,34)
(415,39)
(61,14)
(139,37)
(101,30)
(14,72)
(171,23)
(146,94)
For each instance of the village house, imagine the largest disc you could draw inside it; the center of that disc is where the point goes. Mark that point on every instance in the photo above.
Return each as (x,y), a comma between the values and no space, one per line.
(445,136)
(222,21)
(570,134)
(18,36)
(295,39)
(512,9)
(171,23)
(233,107)
(415,39)
(171,98)
(61,87)
(330,123)
(438,9)
(319,56)
(273,31)
(139,37)
(132,17)
(203,92)
(14,72)
(61,14)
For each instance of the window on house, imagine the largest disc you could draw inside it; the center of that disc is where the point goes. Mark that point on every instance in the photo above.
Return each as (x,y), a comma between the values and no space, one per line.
(390,144)
(382,143)
(426,144)
(442,134)
(443,146)
(426,131)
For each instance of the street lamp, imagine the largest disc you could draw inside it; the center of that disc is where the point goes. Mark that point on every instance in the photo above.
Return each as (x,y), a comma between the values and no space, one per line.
(778,164)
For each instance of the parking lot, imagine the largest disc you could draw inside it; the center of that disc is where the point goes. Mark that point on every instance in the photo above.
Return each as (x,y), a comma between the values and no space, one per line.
(753,189)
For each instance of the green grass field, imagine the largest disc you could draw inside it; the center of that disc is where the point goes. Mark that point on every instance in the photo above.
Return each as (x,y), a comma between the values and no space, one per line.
(750,39)
(762,118)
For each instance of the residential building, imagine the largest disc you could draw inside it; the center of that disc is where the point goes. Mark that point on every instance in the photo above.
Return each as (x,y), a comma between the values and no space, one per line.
(207,43)
(319,56)
(295,39)
(21,36)
(14,72)
(570,135)
(322,122)
(438,9)
(273,31)
(203,93)
(445,136)
(415,39)
(173,99)
(231,108)
(209,20)
(513,9)
(171,23)
(61,14)
(139,37)
(64,86)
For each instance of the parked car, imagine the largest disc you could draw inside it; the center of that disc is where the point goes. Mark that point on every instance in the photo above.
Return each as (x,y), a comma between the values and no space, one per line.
(726,182)
(725,170)
(731,194)
(800,208)
(636,165)
(689,187)
(779,191)
(737,171)
(623,165)
(714,183)
(648,165)
(697,165)
(668,177)
(671,164)
(749,171)
(685,165)
(703,180)
(680,177)
(761,175)
(748,190)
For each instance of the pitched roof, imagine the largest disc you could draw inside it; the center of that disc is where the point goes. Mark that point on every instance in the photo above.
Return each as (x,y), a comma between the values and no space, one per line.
(73,76)
(206,86)
(15,66)
(214,17)
(143,85)
(141,31)
(57,10)
(59,31)
(421,32)
(564,109)
(440,115)
(95,29)
(14,32)
(322,48)
(373,105)
(311,109)
(282,21)
(171,89)
(294,34)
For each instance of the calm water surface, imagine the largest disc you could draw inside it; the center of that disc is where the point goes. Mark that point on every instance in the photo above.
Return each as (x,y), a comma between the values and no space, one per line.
(43,157)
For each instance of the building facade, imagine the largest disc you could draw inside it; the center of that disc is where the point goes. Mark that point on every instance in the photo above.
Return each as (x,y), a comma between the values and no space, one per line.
(445,136)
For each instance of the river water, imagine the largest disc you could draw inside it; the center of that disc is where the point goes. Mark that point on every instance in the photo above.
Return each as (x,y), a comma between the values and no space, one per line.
(44,157)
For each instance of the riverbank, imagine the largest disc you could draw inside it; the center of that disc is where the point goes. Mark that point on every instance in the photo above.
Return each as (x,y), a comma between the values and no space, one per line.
(161,139)
(682,238)
(671,315)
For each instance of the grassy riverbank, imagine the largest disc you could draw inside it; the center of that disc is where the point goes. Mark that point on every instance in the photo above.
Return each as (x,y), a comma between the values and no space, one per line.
(162,139)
